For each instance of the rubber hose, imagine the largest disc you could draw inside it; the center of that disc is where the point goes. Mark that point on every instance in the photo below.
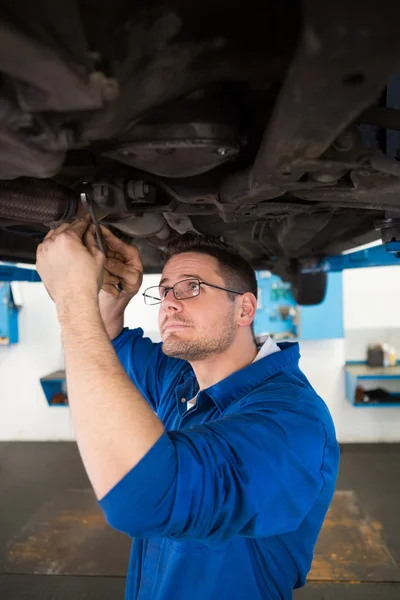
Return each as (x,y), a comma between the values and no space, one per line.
(36,201)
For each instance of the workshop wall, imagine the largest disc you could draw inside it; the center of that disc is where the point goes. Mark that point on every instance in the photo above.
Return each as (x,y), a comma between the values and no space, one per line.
(371,298)
(138,314)
(322,361)
(24,412)
(370,310)
(371,315)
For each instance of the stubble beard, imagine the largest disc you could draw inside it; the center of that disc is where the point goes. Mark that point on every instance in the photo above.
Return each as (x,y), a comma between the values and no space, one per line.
(217,341)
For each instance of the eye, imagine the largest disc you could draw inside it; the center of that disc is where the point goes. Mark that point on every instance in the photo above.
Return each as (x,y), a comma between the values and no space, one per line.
(194,286)
(164,291)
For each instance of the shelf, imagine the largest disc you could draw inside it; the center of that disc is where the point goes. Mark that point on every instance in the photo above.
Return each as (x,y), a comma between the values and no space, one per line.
(363,371)
(357,372)
(376,404)
(55,388)
(56,376)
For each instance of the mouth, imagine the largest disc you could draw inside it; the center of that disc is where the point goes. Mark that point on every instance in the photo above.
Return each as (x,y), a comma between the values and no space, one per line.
(173,327)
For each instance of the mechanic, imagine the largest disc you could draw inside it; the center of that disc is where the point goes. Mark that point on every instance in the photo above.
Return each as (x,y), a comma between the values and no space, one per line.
(218,458)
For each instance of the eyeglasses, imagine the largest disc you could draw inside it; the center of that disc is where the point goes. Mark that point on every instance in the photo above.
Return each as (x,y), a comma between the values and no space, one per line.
(182,290)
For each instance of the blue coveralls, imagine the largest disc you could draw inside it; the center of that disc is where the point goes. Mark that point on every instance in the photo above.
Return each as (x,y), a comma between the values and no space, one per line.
(228,503)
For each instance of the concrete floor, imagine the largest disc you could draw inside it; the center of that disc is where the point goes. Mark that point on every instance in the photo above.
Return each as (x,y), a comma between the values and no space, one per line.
(54,543)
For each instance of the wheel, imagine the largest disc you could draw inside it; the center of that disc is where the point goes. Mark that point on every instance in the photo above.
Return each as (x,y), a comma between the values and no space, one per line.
(310,288)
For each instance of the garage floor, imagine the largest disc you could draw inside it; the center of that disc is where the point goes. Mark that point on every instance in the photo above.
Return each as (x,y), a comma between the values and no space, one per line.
(55,545)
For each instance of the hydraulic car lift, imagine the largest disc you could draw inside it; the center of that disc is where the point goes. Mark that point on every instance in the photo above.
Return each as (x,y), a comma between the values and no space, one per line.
(13,273)
(54,384)
(384,255)
(8,306)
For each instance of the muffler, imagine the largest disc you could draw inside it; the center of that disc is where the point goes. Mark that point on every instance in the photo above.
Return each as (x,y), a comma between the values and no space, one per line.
(37,201)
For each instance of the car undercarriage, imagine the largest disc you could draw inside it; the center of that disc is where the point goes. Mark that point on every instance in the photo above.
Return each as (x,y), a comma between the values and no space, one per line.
(272,125)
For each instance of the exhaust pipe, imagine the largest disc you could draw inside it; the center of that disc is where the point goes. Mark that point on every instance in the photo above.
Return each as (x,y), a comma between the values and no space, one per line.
(37,201)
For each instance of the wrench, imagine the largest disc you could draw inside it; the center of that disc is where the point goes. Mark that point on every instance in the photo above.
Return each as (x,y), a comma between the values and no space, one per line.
(99,236)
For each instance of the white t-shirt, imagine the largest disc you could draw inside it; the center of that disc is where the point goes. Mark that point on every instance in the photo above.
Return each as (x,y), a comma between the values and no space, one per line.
(268,347)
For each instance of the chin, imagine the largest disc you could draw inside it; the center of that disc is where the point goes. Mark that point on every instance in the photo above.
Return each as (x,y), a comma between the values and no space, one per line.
(171,349)
(173,345)
(187,350)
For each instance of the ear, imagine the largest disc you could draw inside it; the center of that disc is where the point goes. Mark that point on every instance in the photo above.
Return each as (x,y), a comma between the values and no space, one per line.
(247,309)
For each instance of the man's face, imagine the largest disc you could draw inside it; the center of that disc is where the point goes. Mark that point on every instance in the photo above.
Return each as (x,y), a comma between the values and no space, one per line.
(196,328)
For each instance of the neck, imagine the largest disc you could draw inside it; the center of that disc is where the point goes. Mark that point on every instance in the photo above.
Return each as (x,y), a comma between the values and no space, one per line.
(213,369)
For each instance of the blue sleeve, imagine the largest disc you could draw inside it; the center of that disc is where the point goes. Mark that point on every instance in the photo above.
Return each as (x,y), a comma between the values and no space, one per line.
(252,474)
(145,363)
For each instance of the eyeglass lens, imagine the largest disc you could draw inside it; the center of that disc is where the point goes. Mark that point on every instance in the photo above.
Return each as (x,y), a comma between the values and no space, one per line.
(188,288)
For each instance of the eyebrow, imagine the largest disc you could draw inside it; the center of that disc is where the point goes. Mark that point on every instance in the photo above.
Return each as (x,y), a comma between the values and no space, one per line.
(183,276)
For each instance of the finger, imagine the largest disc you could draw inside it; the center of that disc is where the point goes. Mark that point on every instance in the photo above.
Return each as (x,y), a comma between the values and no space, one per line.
(80,226)
(116,267)
(129,253)
(49,234)
(56,231)
(91,242)
(112,254)
(115,255)
(111,289)
(110,279)
(109,237)
(98,236)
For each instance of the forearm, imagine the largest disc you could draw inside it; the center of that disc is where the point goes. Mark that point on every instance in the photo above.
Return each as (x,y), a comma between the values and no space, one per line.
(114,425)
(112,312)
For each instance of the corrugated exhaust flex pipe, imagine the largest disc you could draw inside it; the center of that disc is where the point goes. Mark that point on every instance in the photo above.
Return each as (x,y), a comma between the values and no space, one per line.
(36,201)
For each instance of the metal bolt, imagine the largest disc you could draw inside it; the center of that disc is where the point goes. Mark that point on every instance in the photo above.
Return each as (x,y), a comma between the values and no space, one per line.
(110,90)
(324,177)
(364,173)
(137,189)
(222,151)
(286,170)
(344,142)
(65,139)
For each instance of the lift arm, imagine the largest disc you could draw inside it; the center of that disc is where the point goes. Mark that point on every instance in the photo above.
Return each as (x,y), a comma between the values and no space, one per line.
(385,255)
(9,272)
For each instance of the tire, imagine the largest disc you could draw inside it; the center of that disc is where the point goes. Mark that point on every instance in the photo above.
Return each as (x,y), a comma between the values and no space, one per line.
(309,289)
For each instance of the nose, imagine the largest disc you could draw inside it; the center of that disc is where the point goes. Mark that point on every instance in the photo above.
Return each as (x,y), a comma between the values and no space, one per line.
(171,304)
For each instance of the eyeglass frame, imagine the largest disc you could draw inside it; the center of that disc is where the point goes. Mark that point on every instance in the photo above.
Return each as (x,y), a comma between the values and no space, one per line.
(217,287)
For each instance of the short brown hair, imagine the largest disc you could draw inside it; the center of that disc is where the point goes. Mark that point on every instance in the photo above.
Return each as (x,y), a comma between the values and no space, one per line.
(236,271)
